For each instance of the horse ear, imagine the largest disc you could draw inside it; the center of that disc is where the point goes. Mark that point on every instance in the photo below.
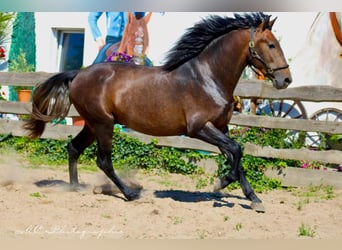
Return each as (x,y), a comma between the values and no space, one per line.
(148,17)
(264,24)
(270,23)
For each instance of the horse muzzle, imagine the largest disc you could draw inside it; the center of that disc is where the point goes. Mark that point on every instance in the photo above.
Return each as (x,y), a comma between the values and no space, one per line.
(281,80)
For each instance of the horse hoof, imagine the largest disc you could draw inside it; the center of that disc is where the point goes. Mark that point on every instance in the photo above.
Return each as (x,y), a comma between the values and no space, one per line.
(217,185)
(76,188)
(258,207)
(133,195)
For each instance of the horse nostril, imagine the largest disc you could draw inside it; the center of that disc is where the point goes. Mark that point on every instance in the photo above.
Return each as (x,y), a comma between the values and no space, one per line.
(288,80)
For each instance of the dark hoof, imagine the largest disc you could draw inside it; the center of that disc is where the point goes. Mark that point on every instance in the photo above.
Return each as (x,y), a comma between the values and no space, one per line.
(133,195)
(258,207)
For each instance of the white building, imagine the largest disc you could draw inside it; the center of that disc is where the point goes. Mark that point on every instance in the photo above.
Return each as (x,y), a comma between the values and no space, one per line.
(58,32)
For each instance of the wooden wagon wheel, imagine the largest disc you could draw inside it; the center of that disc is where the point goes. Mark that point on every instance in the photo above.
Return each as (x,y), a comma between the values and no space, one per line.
(314,139)
(291,109)
(285,109)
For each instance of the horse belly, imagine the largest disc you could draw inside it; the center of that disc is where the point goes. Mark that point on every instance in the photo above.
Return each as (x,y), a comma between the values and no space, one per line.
(157,124)
(151,115)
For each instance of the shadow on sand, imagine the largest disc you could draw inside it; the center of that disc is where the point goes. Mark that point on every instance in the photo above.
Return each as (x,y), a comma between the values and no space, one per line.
(219,199)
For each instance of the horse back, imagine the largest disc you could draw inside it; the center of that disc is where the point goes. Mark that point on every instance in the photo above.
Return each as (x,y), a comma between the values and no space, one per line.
(146,99)
(128,94)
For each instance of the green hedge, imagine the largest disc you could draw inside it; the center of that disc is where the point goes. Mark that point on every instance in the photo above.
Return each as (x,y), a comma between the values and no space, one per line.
(129,152)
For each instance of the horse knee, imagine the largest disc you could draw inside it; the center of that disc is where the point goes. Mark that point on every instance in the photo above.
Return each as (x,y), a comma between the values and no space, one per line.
(233,153)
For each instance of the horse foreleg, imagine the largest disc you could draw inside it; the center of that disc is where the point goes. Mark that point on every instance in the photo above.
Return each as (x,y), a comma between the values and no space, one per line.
(104,161)
(237,173)
(233,152)
(249,193)
(232,176)
(75,149)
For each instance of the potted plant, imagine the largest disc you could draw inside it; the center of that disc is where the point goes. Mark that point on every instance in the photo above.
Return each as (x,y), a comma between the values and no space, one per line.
(20,64)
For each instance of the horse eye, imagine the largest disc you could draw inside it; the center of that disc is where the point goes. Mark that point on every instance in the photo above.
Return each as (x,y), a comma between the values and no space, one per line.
(271,46)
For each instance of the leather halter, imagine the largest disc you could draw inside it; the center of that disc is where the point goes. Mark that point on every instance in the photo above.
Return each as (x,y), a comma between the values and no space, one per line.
(255,55)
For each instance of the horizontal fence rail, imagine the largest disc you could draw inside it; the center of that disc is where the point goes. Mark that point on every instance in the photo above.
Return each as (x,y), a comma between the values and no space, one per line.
(244,89)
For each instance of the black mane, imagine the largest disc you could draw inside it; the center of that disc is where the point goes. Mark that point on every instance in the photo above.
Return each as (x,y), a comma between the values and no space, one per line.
(193,42)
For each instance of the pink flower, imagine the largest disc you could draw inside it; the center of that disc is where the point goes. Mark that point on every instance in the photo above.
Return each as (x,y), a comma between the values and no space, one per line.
(305,165)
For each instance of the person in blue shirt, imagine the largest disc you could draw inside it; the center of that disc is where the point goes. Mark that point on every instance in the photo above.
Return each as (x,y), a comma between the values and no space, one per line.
(115,26)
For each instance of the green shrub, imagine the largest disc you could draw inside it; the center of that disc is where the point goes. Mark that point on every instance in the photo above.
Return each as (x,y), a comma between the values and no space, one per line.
(130,152)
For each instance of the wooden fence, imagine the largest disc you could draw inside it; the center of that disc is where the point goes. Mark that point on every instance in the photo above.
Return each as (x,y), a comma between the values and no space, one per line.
(245,89)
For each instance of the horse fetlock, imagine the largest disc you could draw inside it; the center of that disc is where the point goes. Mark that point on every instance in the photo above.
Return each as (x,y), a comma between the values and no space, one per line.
(252,197)
(221,183)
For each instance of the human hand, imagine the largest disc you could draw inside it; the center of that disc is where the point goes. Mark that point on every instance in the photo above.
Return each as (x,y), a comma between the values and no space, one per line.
(100,43)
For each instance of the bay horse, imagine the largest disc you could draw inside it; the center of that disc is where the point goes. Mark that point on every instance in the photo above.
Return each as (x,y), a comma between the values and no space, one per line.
(190,94)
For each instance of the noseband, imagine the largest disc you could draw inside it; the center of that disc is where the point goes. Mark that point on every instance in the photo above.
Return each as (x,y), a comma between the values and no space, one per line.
(255,55)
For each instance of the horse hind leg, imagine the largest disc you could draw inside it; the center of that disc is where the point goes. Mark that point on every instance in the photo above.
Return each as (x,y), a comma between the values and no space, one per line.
(75,148)
(104,160)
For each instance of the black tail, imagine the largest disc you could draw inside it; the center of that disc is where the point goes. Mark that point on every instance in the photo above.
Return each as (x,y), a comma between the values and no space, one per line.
(50,101)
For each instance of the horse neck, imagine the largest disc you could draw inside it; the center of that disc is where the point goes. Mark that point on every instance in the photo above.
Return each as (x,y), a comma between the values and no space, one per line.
(227,58)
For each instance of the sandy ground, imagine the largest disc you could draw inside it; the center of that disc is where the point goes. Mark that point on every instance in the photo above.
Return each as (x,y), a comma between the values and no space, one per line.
(35,203)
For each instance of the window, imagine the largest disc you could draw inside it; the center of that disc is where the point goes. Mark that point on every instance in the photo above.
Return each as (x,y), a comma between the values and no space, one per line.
(70,49)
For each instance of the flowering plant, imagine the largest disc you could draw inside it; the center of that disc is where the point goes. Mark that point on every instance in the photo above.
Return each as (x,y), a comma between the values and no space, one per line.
(313,165)
(2,57)
(119,57)
(2,53)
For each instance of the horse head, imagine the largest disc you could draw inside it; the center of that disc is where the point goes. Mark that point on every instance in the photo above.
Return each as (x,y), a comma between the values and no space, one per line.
(267,56)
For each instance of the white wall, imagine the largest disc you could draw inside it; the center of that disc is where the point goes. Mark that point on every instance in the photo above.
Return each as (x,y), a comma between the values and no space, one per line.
(164,30)
(46,41)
